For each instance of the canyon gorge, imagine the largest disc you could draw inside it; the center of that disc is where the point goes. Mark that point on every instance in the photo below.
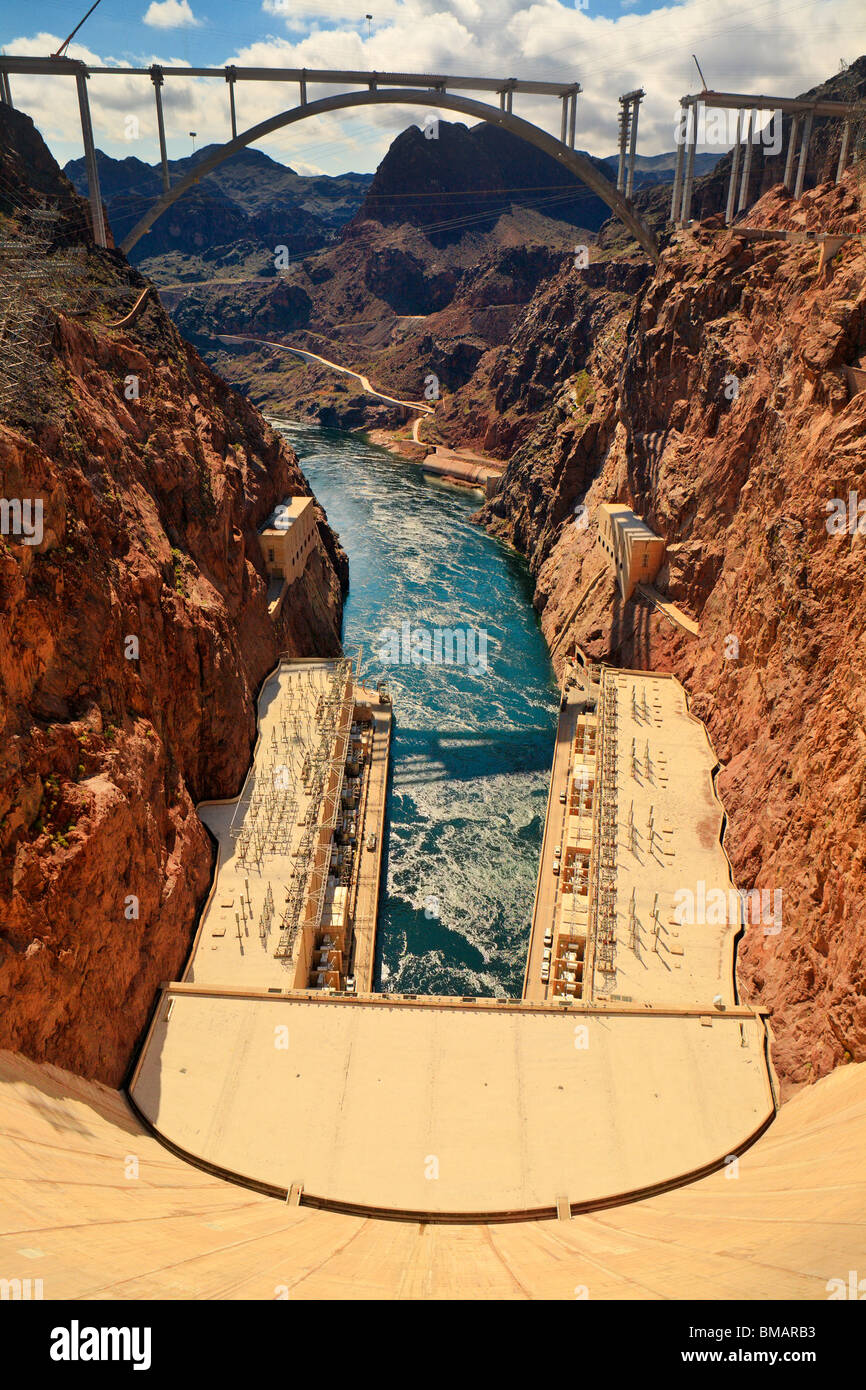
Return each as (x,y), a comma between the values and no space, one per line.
(711,394)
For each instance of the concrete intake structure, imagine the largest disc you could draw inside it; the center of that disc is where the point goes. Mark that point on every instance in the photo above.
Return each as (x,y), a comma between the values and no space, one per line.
(287,539)
(636,553)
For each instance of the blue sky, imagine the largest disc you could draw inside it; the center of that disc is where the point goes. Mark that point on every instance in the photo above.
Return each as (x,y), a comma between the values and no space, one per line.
(218,27)
(610,46)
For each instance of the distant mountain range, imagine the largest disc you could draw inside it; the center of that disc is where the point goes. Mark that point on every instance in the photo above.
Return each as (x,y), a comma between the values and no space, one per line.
(467,177)
(659,168)
(250,199)
(464,178)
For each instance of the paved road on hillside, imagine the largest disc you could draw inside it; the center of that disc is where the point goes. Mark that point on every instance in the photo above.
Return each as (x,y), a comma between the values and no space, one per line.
(334,366)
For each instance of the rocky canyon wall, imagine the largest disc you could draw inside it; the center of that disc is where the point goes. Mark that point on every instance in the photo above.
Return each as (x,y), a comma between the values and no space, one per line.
(717,404)
(134,634)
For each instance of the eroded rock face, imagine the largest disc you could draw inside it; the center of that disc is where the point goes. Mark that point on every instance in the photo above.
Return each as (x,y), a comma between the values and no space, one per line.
(722,413)
(134,635)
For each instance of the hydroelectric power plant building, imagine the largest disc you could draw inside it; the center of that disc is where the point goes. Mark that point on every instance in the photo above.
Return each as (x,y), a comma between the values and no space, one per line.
(274,1062)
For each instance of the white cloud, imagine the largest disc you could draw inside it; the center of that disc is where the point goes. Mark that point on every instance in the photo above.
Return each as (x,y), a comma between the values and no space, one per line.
(772,46)
(170,14)
(302,166)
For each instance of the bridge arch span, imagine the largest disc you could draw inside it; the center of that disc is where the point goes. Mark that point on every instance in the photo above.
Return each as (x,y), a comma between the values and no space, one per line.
(448,101)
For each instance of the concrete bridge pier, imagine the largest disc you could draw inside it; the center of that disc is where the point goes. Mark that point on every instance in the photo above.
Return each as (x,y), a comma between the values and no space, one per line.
(156,77)
(804,155)
(686,209)
(569,116)
(682,129)
(747,162)
(90,160)
(624,114)
(5,91)
(231,78)
(792,150)
(632,149)
(735,169)
(506,95)
(843,151)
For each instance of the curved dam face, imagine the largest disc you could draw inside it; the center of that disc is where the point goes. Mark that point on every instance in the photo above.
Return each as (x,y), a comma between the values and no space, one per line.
(438,1108)
(95,1207)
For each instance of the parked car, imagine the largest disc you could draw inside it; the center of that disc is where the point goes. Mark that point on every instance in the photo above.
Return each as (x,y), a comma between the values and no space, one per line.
(562,798)
(372,840)
(556,866)
(548,937)
(350,984)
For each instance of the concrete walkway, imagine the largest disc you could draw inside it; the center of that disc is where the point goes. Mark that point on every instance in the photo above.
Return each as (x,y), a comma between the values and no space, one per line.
(670,610)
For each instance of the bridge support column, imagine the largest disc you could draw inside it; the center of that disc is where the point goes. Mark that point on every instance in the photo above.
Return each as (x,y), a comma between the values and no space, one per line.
(735,169)
(686,210)
(303,87)
(792,149)
(804,155)
(5,91)
(747,163)
(635,112)
(624,117)
(90,161)
(563,135)
(157,80)
(231,74)
(682,128)
(843,151)
(572,120)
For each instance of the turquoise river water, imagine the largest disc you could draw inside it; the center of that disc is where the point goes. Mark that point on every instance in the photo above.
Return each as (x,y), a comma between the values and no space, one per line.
(472,743)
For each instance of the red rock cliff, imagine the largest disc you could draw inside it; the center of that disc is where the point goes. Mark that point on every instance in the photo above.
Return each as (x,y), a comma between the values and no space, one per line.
(133,638)
(720,410)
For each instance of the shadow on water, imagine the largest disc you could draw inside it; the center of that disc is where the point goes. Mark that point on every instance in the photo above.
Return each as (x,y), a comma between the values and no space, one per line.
(459,756)
(471,748)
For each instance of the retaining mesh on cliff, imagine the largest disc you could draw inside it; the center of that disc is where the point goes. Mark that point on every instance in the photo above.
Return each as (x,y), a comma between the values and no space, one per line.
(38,279)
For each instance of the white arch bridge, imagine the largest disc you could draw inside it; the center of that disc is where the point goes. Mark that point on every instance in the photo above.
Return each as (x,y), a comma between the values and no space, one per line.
(367,88)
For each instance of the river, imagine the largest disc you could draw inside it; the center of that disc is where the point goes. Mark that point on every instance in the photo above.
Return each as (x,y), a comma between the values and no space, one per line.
(472,743)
